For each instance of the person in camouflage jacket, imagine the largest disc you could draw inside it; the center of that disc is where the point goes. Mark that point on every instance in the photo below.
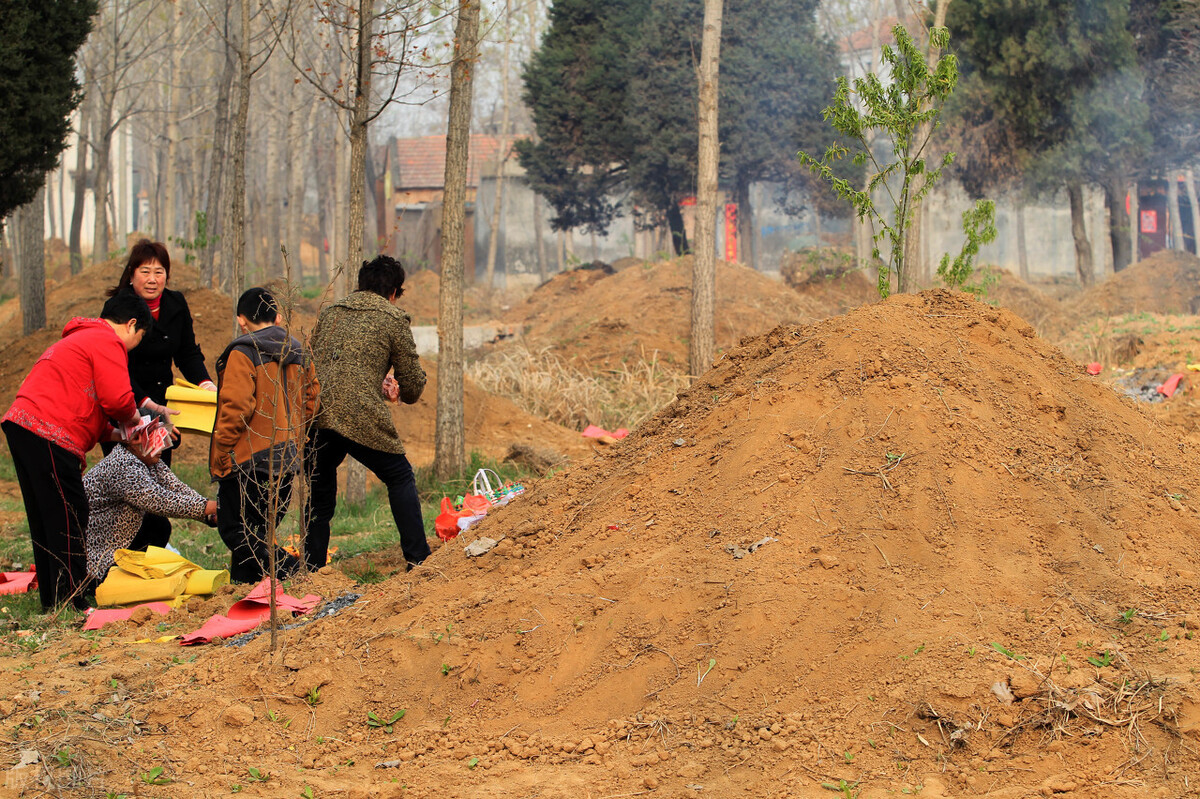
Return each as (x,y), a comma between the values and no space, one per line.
(357,341)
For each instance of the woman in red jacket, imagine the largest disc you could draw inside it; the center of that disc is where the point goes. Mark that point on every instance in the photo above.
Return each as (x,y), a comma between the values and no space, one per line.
(63,408)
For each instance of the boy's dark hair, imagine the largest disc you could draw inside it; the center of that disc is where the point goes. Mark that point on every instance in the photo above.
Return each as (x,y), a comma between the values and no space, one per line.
(141,252)
(258,306)
(382,276)
(126,305)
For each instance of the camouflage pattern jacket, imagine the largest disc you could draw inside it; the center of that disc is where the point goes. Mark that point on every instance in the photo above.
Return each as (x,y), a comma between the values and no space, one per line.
(357,340)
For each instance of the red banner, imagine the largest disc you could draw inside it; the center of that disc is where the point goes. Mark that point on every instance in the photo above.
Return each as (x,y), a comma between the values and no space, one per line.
(731,232)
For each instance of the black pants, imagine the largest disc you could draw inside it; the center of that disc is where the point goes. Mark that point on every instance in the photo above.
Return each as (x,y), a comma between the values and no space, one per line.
(51,481)
(244,503)
(327,450)
(155,529)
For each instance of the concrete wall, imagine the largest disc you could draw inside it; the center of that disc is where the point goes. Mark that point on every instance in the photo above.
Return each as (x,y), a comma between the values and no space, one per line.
(1049,245)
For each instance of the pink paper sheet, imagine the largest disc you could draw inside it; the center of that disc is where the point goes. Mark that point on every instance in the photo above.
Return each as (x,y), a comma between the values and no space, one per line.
(102,616)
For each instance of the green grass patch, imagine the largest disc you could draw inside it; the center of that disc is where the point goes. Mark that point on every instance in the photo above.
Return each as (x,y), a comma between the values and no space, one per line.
(357,529)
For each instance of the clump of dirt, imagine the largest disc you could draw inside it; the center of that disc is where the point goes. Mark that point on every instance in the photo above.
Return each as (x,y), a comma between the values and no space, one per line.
(601,320)
(1167,282)
(910,549)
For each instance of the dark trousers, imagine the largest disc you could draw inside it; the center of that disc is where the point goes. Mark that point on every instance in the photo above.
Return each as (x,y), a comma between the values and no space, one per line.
(155,529)
(51,481)
(244,503)
(327,450)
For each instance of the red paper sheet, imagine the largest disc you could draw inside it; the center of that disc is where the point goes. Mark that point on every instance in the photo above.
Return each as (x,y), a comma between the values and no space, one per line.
(17,582)
(248,613)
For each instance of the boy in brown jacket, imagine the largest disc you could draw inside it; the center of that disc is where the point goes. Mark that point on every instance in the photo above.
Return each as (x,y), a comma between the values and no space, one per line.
(267,393)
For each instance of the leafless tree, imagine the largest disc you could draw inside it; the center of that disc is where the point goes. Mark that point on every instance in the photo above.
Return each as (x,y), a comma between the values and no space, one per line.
(449,446)
(702,346)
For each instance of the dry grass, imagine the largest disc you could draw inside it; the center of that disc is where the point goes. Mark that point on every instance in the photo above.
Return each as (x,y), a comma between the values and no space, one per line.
(545,385)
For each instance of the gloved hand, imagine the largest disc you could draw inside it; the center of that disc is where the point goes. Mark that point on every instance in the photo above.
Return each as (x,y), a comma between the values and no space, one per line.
(208,385)
(164,411)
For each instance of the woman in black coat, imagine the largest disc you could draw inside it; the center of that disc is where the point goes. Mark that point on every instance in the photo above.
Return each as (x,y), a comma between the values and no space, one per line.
(172,339)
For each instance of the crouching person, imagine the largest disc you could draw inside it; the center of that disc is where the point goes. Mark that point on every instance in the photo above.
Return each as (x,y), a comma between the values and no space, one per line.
(68,402)
(131,481)
(267,395)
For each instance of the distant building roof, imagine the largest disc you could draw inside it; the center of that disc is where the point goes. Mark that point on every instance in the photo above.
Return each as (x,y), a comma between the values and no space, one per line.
(421,162)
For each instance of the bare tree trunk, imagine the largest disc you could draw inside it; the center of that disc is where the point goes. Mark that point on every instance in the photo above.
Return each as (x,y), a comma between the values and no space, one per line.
(233,242)
(371,207)
(272,224)
(1083,247)
(747,241)
(679,239)
(1173,210)
(1190,175)
(61,175)
(1135,222)
(358,142)
(295,195)
(100,189)
(29,236)
(916,267)
(1022,248)
(502,156)
(79,181)
(337,232)
(1119,226)
(321,167)
(215,201)
(450,439)
(539,239)
(169,225)
(703,346)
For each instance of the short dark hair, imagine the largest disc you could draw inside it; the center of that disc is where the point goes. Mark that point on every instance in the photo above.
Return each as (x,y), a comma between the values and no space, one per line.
(258,306)
(126,305)
(141,252)
(382,276)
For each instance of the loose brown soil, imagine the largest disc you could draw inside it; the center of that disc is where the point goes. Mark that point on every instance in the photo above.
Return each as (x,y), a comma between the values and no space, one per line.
(601,320)
(812,567)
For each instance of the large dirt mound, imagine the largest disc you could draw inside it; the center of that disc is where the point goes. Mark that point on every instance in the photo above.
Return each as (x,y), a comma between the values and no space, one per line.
(823,565)
(1167,282)
(601,319)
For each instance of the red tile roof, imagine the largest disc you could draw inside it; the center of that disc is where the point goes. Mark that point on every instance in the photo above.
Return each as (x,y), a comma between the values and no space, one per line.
(421,162)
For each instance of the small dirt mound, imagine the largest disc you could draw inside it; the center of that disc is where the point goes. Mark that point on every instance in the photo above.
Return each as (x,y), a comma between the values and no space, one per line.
(829,278)
(915,535)
(1047,315)
(602,320)
(1167,282)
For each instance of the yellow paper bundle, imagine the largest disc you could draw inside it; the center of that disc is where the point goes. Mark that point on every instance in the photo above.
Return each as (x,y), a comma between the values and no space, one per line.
(155,575)
(197,407)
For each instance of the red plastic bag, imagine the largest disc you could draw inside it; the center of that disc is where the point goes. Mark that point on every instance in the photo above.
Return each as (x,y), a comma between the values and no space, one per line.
(451,521)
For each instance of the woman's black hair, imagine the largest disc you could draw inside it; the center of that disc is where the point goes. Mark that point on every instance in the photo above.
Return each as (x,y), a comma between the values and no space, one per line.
(383,275)
(142,252)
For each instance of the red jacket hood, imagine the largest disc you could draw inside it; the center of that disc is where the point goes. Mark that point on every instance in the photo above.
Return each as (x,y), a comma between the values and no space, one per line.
(82,323)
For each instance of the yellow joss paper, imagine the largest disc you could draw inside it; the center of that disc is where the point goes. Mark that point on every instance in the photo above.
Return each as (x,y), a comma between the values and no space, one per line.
(197,407)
